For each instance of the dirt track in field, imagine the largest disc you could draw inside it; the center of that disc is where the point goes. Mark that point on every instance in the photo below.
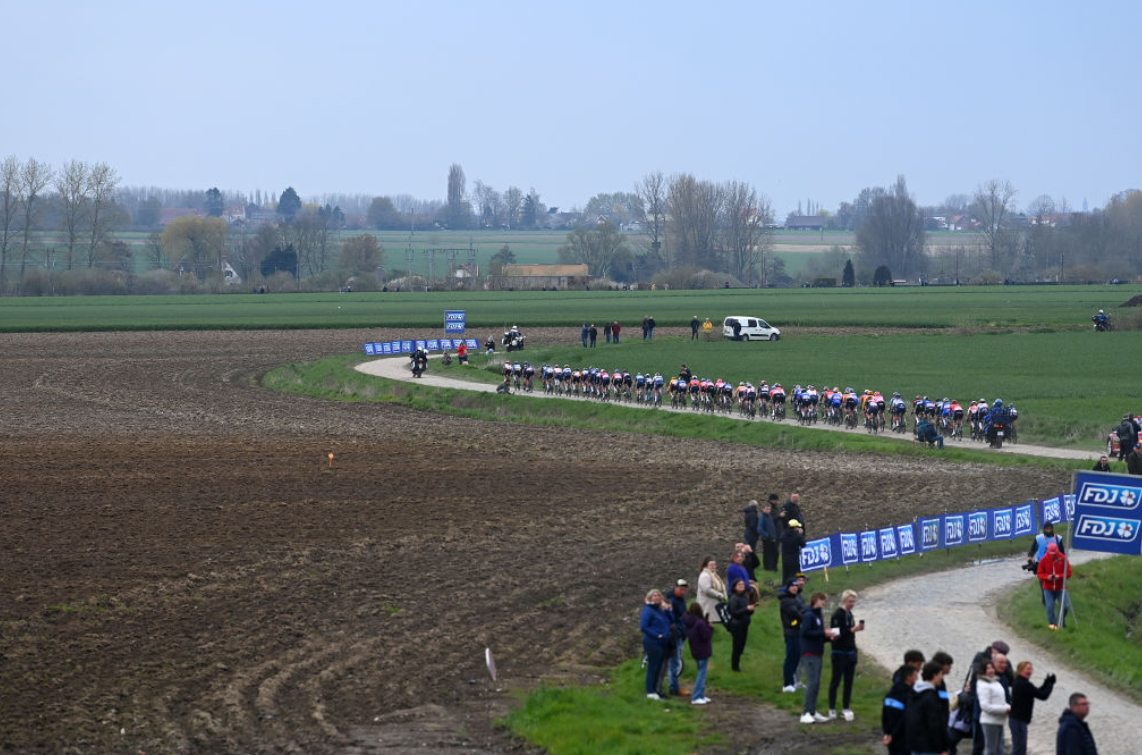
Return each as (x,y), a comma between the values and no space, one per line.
(181,570)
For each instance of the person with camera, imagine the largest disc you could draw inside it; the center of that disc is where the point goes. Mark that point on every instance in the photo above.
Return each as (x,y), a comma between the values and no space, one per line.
(1038,547)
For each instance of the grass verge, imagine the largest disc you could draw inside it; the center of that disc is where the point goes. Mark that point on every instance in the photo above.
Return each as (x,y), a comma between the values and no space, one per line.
(1106,641)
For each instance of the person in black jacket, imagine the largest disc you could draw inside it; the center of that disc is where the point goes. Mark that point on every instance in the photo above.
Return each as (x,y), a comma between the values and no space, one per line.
(925,728)
(1023,696)
(792,541)
(791,628)
(750,513)
(792,509)
(895,703)
(742,612)
(1102,465)
(844,654)
(767,533)
(1074,737)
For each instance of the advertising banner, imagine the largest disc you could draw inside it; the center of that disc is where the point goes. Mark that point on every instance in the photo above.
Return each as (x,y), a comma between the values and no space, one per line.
(953,529)
(868,549)
(818,554)
(906,533)
(391,348)
(889,547)
(977,526)
(1107,513)
(850,548)
(1002,523)
(1024,519)
(454,321)
(930,530)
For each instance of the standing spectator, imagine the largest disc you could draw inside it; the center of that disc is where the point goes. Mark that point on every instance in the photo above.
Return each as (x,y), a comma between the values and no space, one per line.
(694,325)
(844,654)
(1134,460)
(892,714)
(1074,737)
(701,635)
(707,328)
(607,332)
(813,638)
(945,661)
(793,509)
(993,708)
(778,515)
(737,326)
(655,624)
(792,541)
(925,728)
(586,332)
(991,654)
(593,333)
(711,589)
(650,323)
(1039,545)
(1023,696)
(791,628)
(644,329)
(1127,436)
(767,532)
(751,524)
(1053,572)
(741,612)
(1102,465)
(615,328)
(678,609)
(736,570)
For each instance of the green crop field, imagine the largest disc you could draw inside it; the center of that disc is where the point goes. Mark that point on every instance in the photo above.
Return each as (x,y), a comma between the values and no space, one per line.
(930,307)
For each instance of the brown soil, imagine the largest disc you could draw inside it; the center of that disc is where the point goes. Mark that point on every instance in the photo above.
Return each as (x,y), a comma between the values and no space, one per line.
(181,570)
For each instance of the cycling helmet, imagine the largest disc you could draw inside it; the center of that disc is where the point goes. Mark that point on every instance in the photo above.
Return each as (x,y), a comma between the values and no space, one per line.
(896,394)
(997,403)
(849,390)
(1101,312)
(868,391)
(527,364)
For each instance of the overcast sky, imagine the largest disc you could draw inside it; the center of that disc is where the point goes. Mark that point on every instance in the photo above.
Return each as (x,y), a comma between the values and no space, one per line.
(804,101)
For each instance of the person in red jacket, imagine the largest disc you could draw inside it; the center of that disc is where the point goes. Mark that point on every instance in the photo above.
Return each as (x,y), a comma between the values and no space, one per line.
(1054,570)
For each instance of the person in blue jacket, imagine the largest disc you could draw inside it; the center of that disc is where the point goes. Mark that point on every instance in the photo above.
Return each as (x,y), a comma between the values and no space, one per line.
(813,639)
(1074,737)
(656,624)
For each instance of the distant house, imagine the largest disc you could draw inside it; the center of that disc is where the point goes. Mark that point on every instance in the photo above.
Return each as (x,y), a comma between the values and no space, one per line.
(529,277)
(806,223)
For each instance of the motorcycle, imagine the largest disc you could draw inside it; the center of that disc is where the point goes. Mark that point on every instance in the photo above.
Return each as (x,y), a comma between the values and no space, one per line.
(1102,326)
(419,365)
(513,340)
(995,437)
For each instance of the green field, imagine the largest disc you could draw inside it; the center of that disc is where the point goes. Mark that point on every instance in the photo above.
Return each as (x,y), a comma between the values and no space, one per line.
(929,307)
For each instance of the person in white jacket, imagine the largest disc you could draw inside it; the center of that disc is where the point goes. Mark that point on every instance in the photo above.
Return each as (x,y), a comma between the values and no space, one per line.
(711,589)
(993,707)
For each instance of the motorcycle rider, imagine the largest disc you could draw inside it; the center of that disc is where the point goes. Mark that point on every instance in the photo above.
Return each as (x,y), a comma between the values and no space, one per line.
(1100,320)
(419,361)
(997,416)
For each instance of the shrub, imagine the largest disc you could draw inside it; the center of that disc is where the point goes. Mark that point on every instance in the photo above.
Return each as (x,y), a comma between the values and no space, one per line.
(157,282)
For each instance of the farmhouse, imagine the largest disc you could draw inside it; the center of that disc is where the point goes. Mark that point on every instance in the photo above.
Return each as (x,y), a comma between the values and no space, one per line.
(806,223)
(529,277)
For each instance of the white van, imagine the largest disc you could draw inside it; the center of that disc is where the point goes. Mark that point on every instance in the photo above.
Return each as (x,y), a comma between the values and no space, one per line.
(750,329)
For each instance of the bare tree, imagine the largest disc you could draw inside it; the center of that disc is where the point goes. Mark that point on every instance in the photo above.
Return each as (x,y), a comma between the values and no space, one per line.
(72,185)
(34,177)
(459,211)
(597,247)
(992,204)
(745,232)
(652,190)
(10,171)
(101,183)
(694,208)
(892,233)
(513,201)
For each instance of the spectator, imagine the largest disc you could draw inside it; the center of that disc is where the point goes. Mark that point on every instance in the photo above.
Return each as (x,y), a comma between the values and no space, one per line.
(1074,737)
(1038,547)
(1102,466)
(925,728)
(462,352)
(707,328)
(607,332)
(655,625)
(711,589)
(892,714)
(694,325)
(741,612)
(678,609)
(792,541)
(767,532)
(650,323)
(926,433)
(644,328)
(736,570)
(751,524)
(945,661)
(991,653)
(615,328)
(793,509)
(1134,460)
(844,655)
(813,639)
(791,628)
(586,332)
(1053,572)
(993,707)
(737,326)
(701,635)
(1127,436)
(593,334)
(490,346)
(1023,696)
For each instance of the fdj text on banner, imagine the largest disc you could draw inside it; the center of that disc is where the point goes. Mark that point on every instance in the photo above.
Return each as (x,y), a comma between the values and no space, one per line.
(1107,513)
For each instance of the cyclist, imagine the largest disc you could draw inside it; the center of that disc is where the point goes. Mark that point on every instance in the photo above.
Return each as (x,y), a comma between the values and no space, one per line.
(548,374)
(517,374)
(528,376)
(639,387)
(957,413)
(658,383)
(604,384)
(899,408)
(777,399)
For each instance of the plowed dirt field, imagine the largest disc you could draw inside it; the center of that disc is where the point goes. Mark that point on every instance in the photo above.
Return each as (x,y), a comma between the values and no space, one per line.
(182,571)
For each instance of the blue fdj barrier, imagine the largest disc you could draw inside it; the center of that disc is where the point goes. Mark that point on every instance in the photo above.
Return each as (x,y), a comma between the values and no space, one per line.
(389,348)
(925,534)
(1107,513)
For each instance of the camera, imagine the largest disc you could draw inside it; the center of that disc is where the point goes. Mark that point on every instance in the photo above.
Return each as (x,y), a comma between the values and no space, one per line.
(1029,566)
